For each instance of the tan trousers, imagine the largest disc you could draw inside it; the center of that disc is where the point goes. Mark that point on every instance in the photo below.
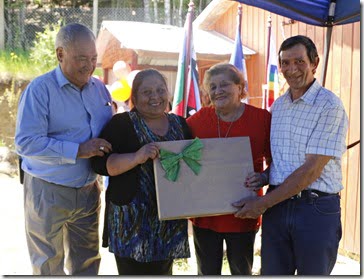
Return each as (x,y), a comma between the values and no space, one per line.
(62,227)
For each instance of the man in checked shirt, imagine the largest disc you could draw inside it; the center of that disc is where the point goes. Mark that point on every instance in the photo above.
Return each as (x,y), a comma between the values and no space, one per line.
(301,226)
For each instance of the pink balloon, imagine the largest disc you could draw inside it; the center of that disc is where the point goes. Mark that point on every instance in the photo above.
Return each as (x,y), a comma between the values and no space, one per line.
(121,69)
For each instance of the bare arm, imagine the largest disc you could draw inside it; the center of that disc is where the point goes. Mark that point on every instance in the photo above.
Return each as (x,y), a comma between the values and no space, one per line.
(299,180)
(119,163)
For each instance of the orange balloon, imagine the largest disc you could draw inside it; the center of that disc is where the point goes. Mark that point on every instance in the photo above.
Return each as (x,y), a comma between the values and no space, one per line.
(121,90)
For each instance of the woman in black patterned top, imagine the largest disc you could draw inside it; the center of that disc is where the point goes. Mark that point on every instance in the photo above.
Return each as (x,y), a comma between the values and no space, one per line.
(142,244)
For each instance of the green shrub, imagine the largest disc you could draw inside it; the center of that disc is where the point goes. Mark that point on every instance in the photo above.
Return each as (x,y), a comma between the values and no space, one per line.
(43,54)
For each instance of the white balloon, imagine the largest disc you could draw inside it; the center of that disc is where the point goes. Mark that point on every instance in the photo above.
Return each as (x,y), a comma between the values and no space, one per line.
(131,77)
(121,69)
(117,84)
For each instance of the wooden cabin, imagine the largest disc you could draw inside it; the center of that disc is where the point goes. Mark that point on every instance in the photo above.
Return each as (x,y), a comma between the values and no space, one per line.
(148,45)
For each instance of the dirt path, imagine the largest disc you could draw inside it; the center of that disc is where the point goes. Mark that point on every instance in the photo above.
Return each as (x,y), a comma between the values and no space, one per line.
(14,259)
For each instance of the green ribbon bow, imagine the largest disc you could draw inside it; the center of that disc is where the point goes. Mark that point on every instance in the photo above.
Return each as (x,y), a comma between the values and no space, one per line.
(191,154)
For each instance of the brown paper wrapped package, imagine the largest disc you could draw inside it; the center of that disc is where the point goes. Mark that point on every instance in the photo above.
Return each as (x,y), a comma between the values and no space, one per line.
(225,164)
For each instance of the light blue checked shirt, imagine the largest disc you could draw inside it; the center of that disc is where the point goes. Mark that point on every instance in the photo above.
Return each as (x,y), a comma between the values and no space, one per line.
(316,123)
(54,117)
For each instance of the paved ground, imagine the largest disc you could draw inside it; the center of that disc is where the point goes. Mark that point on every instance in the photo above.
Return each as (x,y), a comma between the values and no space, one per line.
(14,258)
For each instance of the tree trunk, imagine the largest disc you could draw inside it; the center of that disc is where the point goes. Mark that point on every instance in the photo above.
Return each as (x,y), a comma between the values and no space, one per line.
(23,41)
(167,12)
(155,4)
(180,10)
(95,9)
(2,25)
(146,10)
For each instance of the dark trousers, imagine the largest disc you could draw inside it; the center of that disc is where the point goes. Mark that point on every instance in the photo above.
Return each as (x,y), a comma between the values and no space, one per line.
(209,251)
(128,266)
(301,234)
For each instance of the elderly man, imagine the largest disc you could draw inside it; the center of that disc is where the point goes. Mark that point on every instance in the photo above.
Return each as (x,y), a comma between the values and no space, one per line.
(60,115)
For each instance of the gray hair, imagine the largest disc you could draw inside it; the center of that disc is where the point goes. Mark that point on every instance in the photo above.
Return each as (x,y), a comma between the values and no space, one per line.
(228,69)
(69,33)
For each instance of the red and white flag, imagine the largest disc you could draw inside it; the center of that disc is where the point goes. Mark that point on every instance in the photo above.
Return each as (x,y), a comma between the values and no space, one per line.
(186,100)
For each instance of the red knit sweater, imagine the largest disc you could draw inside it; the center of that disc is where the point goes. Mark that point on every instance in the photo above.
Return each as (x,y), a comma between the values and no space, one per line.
(255,123)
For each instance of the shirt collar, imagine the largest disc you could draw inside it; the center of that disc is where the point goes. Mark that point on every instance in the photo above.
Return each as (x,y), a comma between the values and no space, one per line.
(62,80)
(309,96)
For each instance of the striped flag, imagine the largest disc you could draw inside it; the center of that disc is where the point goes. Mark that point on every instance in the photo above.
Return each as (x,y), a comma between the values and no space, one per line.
(237,56)
(272,91)
(186,100)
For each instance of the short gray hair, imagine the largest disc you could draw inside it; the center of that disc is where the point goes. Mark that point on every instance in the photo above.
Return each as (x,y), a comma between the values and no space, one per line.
(228,69)
(69,33)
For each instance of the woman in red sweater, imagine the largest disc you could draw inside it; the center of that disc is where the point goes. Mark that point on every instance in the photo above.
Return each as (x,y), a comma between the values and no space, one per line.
(229,117)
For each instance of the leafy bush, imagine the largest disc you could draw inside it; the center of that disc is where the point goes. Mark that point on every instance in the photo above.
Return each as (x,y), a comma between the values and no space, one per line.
(27,65)
(43,54)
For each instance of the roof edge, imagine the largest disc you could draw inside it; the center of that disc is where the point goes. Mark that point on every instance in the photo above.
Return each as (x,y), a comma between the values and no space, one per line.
(212,13)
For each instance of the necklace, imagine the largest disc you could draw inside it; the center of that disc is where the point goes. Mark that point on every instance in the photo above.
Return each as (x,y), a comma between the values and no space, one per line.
(231,124)
(218,127)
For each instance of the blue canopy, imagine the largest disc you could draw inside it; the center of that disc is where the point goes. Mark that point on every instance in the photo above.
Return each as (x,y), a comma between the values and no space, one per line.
(326,13)
(314,12)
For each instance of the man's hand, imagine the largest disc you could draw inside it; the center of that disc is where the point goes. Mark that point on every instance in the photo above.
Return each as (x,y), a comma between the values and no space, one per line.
(93,147)
(255,180)
(250,208)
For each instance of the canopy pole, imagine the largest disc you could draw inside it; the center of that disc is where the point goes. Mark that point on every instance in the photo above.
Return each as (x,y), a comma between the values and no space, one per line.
(326,54)
(329,24)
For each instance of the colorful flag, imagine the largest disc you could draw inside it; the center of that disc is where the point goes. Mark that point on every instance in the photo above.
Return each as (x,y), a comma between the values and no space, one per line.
(272,91)
(237,56)
(186,100)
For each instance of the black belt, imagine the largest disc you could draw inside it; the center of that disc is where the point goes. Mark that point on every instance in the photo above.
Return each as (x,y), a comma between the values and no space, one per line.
(304,194)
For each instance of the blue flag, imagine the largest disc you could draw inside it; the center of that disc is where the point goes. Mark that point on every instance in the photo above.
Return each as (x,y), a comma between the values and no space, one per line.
(237,55)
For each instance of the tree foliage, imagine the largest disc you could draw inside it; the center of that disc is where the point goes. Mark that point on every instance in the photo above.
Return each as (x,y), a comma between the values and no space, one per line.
(43,52)
(24,18)
(174,4)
